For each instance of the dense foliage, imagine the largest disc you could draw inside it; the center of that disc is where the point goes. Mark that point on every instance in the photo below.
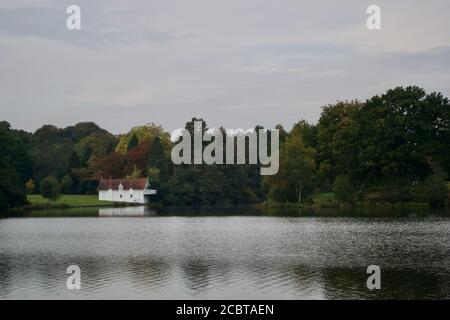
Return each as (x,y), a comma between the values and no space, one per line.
(15,165)
(49,189)
(390,148)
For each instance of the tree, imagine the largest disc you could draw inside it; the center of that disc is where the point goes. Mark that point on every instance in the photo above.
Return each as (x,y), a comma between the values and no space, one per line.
(432,189)
(49,188)
(157,161)
(30,186)
(337,140)
(386,141)
(307,131)
(97,144)
(74,160)
(133,142)
(12,189)
(137,157)
(50,152)
(82,130)
(388,147)
(111,165)
(282,133)
(135,174)
(15,166)
(146,132)
(399,132)
(66,184)
(296,174)
(343,189)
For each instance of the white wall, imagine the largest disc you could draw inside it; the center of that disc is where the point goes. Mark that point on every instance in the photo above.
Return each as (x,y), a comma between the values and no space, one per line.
(129,196)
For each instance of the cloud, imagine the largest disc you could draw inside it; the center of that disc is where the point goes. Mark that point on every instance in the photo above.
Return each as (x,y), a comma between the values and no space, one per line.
(101,25)
(234,63)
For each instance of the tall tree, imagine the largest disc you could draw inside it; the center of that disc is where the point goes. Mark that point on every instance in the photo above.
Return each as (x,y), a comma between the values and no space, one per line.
(399,131)
(15,167)
(296,174)
(49,188)
(157,159)
(133,142)
(337,139)
(138,157)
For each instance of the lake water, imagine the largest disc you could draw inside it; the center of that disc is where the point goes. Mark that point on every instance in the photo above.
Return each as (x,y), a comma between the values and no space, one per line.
(144,254)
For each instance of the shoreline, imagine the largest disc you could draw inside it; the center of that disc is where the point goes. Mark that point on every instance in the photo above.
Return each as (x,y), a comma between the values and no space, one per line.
(341,206)
(36,202)
(261,206)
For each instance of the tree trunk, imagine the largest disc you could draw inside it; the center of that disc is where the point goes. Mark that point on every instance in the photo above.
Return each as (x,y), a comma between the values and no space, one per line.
(300,193)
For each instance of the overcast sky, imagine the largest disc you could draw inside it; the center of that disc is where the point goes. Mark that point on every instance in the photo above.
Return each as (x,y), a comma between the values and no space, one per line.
(236,63)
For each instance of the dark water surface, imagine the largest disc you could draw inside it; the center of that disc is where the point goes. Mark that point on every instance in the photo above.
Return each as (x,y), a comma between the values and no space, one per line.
(144,254)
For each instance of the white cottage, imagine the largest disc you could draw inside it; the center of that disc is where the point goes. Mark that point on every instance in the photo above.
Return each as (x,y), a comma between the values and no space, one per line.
(125,190)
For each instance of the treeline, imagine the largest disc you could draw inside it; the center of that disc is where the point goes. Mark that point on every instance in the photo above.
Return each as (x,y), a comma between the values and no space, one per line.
(390,148)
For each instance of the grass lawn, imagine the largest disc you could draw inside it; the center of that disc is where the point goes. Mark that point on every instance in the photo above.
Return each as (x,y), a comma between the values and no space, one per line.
(324,196)
(68,200)
(325,199)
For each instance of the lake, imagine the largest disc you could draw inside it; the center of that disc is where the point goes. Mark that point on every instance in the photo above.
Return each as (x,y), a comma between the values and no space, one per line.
(138,253)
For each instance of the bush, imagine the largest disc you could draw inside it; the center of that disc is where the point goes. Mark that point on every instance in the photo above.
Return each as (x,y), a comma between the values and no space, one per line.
(49,189)
(343,189)
(432,190)
(66,184)
(12,189)
(29,185)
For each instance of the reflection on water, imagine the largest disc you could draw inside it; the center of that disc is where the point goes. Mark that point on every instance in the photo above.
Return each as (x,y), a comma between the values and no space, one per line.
(222,256)
(133,211)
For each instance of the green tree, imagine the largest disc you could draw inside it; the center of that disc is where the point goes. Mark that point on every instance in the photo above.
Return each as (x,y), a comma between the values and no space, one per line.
(296,174)
(432,189)
(49,188)
(399,132)
(82,130)
(157,160)
(343,189)
(337,140)
(15,166)
(146,132)
(98,144)
(133,142)
(307,131)
(135,174)
(282,133)
(74,160)
(12,189)
(30,186)
(50,152)
(66,184)
(386,141)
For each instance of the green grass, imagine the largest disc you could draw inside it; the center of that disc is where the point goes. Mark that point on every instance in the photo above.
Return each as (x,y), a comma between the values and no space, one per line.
(318,200)
(68,200)
(324,196)
(325,200)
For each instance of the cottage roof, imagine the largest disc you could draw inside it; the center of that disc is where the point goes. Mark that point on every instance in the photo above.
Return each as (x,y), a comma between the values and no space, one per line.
(135,184)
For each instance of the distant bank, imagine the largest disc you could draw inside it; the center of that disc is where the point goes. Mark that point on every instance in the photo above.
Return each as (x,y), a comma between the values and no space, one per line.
(320,201)
(36,201)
